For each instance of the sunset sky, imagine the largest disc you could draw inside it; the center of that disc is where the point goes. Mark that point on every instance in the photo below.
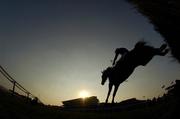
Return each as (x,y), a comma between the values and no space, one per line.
(58,48)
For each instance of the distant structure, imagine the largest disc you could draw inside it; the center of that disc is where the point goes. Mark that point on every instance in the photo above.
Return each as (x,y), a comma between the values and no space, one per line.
(81,102)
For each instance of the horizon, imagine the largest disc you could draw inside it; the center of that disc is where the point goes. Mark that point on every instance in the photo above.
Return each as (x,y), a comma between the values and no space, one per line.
(58,49)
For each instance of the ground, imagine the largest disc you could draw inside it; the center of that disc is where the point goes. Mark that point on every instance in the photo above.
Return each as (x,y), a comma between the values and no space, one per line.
(16,107)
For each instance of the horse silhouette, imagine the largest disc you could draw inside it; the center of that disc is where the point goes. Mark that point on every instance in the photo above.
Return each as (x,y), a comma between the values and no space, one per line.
(122,69)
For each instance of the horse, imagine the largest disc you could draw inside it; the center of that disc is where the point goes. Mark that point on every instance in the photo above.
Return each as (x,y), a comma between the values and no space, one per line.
(140,55)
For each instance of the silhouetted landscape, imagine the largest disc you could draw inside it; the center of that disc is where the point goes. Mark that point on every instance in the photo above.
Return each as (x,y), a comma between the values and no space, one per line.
(165,107)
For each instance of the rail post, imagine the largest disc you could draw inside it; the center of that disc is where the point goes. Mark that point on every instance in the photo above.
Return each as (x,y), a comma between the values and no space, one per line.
(14,85)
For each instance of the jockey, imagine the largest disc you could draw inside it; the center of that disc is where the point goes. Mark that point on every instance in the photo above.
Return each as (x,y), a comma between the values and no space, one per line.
(122,52)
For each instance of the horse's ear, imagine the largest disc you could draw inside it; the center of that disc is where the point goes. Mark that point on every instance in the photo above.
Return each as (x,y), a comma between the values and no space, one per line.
(103,71)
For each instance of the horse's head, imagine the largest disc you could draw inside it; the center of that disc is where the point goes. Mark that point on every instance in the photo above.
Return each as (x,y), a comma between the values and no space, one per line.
(105,75)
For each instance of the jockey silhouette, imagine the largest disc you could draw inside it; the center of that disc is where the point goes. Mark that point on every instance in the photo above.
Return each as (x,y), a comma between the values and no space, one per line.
(119,51)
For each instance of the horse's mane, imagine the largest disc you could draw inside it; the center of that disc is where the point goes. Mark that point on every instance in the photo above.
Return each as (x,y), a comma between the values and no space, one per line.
(107,70)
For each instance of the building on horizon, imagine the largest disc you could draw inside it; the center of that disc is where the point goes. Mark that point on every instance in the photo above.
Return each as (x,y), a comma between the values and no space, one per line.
(81,102)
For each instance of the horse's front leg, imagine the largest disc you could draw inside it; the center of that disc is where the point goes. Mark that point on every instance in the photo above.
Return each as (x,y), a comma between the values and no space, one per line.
(109,91)
(114,93)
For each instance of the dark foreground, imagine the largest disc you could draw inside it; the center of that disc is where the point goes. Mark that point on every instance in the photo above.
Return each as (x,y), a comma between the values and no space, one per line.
(16,107)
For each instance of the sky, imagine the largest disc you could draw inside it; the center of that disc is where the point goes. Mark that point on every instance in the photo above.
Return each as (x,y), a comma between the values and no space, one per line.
(57,48)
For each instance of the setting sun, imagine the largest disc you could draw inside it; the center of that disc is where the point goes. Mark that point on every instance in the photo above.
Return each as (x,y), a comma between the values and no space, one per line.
(84,94)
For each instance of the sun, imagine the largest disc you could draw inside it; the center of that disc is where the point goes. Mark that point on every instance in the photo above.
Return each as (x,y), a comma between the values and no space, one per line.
(84,94)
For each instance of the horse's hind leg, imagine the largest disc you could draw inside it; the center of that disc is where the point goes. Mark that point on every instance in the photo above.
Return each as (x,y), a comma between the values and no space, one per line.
(109,91)
(114,93)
